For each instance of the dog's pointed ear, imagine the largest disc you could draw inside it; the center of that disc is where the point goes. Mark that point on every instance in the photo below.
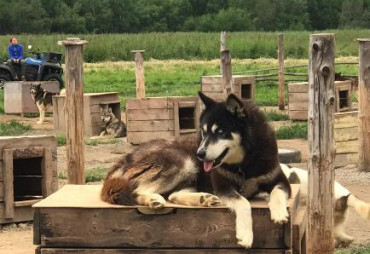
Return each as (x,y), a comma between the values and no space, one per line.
(234,105)
(208,102)
(39,84)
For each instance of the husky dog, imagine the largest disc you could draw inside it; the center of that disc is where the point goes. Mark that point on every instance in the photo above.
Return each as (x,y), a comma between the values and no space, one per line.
(343,199)
(238,153)
(113,127)
(42,99)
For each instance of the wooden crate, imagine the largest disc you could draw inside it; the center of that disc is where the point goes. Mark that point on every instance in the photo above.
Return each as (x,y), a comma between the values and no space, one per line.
(298,98)
(243,87)
(28,173)
(346,138)
(161,117)
(93,103)
(74,219)
(17,97)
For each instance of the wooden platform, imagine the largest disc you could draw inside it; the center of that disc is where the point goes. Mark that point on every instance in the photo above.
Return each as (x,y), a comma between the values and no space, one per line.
(75,220)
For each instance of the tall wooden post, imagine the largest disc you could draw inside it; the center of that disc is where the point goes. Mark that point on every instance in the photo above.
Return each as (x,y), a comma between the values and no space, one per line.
(226,72)
(140,80)
(321,144)
(364,105)
(74,110)
(281,71)
(222,46)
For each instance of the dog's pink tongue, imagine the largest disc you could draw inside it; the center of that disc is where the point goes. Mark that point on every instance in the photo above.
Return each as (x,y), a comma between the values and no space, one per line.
(207,165)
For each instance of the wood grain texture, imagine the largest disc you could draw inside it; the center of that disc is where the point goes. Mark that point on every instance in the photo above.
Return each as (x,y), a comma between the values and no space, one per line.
(364,106)
(47,172)
(139,72)
(321,144)
(301,87)
(345,159)
(8,183)
(149,114)
(348,146)
(1,192)
(150,125)
(148,103)
(298,105)
(74,112)
(344,134)
(226,73)
(21,214)
(281,71)
(346,120)
(298,114)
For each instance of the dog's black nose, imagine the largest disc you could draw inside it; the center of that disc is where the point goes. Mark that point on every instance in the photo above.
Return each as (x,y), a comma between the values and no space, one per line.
(201,153)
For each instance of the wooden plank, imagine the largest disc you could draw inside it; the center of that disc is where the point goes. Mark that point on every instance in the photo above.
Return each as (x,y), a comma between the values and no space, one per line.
(47,172)
(298,115)
(281,71)
(349,146)
(301,87)
(344,159)
(149,114)
(299,230)
(29,152)
(21,214)
(298,105)
(176,119)
(1,172)
(298,97)
(1,191)
(161,251)
(212,87)
(227,81)
(8,183)
(215,96)
(345,134)
(147,103)
(36,227)
(151,125)
(103,98)
(346,119)
(141,137)
(211,79)
(139,71)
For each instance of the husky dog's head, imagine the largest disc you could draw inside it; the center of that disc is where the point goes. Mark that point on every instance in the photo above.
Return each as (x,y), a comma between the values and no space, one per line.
(221,127)
(107,115)
(36,89)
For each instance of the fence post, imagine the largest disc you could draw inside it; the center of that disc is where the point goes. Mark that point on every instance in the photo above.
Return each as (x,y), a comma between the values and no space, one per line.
(321,144)
(226,72)
(222,46)
(364,105)
(74,110)
(281,71)
(140,80)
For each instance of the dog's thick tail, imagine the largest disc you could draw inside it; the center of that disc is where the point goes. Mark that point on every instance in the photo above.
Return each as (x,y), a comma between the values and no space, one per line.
(118,191)
(361,207)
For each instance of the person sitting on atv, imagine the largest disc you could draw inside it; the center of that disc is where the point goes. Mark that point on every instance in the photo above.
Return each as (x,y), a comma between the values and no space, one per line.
(15,52)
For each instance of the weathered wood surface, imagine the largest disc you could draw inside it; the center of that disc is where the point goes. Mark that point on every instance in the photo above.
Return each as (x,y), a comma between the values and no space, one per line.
(223,46)
(226,73)
(139,72)
(74,111)
(298,114)
(321,144)
(148,103)
(8,183)
(343,86)
(21,214)
(299,231)
(364,105)
(70,220)
(281,71)
(345,159)
(163,251)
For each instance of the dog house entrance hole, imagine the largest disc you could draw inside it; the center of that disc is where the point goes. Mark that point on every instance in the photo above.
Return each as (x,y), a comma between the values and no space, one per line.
(343,99)
(246,91)
(187,118)
(27,178)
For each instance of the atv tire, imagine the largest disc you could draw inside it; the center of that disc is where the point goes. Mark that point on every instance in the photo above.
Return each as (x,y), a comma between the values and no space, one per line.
(54,77)
(3,78)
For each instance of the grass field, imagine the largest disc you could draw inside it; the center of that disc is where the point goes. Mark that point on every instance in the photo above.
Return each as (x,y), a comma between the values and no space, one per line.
(193,45)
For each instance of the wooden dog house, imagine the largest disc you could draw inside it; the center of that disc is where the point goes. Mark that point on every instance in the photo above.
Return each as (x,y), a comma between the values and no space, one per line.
(93,103)
(28,173)
(161,117)
(75,220)
(242,86)
(17,97)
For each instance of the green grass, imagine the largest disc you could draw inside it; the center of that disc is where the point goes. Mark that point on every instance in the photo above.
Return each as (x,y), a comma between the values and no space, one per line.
(91,175)
(190,45)
(356,250)
(276,116)
(14,128)
(1,101)
(297,130)
(62,140)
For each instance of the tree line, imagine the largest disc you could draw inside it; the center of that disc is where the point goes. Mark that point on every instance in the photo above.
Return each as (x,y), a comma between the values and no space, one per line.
(134,16)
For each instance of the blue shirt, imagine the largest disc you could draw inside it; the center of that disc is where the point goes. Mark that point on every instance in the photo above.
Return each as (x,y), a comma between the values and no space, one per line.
(15,51)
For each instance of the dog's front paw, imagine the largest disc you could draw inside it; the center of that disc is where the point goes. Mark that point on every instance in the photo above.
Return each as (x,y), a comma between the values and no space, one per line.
(279,216)
(209,200)
(245,238)
(157,202)
(344,243)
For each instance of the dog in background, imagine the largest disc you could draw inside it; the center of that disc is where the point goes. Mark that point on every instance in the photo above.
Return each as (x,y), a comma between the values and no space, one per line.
(42,99)
(235,157)
(113,127)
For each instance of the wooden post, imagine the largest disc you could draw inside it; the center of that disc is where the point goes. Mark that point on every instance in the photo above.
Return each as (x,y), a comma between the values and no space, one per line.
(281,71)
(227,72)
(321,144)
(364,105)
(140,80)
(222,46)
(74,110)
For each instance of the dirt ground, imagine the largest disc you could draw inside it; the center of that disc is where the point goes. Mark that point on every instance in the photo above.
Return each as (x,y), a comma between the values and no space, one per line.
(17,238)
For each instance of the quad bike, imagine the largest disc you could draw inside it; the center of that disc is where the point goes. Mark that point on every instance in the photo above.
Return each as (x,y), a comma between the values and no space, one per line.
(45,67)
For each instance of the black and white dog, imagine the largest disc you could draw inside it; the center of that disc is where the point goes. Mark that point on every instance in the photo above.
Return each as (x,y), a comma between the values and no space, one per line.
(42,99)
(234,158)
